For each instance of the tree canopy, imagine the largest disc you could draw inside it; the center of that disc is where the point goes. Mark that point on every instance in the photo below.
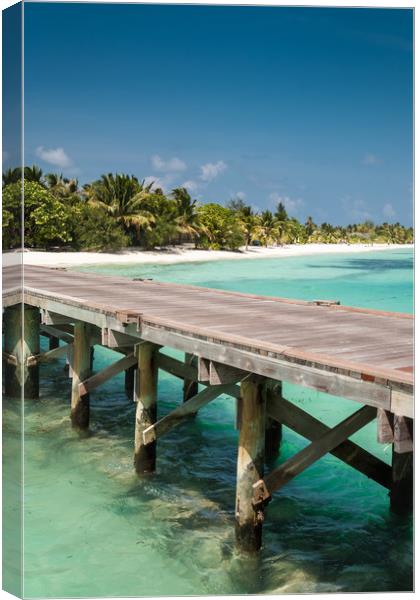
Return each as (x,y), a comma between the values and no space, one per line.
(119,210)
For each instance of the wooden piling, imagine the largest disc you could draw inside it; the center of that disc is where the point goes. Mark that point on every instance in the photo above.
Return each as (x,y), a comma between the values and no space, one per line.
(248,526)
(129,378)
(21,341)
(401,495)
(145,395)
(31,336)
(190,386)
(12,322)
(80,367)
(273,429)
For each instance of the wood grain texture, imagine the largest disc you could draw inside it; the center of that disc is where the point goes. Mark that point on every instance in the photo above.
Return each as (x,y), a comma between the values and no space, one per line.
(344,341)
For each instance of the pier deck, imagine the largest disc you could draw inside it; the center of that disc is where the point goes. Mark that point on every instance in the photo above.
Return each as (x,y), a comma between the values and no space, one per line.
(229,338)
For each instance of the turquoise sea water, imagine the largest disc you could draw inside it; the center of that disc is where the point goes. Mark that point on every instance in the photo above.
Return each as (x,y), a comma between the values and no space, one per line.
(93,529)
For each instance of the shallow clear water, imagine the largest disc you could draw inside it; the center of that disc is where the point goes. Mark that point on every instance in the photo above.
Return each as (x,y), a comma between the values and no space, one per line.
(93,529)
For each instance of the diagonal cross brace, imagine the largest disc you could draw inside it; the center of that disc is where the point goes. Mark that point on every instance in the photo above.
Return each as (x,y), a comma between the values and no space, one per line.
(264,488)
(99,378)
(186,409)
(304,424)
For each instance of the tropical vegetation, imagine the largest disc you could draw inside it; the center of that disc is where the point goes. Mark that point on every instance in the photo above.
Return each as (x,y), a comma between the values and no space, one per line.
(119,210)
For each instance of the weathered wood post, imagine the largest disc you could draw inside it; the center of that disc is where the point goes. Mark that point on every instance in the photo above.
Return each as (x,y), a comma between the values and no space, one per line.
(273,429)
(251,421)
(402,466)
(80,368)
(145,395)
(190,387)
(31,335)
(129,378)
(21,341)
(12,323)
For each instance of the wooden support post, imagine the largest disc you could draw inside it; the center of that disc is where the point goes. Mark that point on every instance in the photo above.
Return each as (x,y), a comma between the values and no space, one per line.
(401,495)
(12,320)
(129,378)
(273,429)
(53,343)
(190,385)
(80,367)
(248,526)
(31,333)
(145,395)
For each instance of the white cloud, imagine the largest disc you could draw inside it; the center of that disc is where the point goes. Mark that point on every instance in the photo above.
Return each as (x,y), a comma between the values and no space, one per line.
(356,209)
(210,171)
(54,156)
(174,164)
(240,195)
(388,211)
(371,159)
(292,205)
(191,185)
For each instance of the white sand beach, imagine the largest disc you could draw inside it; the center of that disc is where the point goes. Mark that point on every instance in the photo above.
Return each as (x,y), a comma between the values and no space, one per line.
(180,254)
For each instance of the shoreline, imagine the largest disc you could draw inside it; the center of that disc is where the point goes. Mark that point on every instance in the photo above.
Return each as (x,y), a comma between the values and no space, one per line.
(178,255)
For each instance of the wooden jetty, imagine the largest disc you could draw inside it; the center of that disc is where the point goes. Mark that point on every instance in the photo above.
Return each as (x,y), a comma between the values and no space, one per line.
(238,344)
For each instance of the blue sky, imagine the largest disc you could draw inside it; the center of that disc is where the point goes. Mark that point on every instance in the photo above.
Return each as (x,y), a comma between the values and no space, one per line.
(309,106)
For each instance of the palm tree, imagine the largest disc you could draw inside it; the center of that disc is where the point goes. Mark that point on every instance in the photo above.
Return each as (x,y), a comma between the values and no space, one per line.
(61,186)
(310,226)
(186,219)
(33,173)
(123,197)
(12,176)
(267,228)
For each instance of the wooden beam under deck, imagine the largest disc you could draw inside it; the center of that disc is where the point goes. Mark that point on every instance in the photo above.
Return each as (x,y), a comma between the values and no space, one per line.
(227,338)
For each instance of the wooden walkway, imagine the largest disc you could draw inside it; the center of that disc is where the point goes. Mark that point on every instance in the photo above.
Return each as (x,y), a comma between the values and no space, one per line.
(230,338)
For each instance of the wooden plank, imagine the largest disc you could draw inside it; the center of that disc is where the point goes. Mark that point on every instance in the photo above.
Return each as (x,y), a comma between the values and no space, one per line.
(264,488)
(99,378)
(117,339)
(47,356)
(220,373)
(57,333)
(304,424)
(402,403)
(52,318)
(175,367)
(325,381)
(165,424)
(221,317)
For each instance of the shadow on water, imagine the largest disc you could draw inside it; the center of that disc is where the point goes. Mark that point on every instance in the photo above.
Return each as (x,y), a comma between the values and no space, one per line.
(367,264)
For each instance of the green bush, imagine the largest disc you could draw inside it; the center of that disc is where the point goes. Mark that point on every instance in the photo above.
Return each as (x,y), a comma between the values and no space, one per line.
(96,230)
(48,221)
(221,228)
